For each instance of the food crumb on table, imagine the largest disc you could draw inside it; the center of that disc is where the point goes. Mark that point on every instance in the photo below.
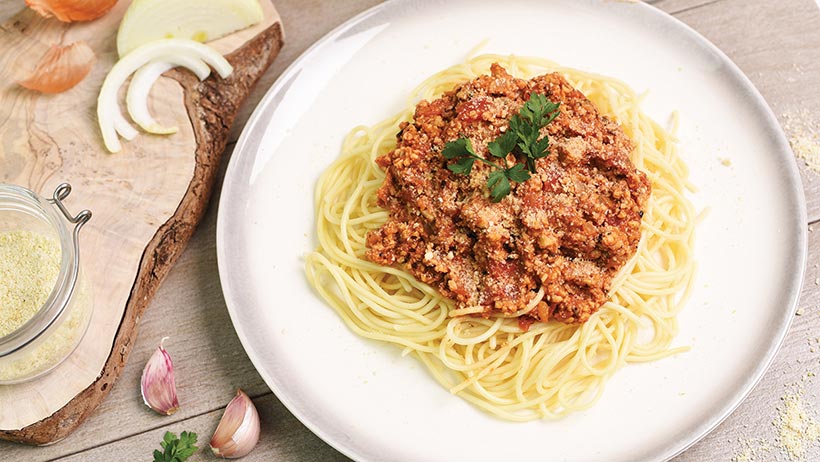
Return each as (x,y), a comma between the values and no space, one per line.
(796,425)
(752,450)
(803,131)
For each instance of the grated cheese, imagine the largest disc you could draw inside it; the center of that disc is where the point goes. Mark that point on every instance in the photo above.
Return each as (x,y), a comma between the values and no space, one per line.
(29,266)
(796,428)
(803,131)
(753,450)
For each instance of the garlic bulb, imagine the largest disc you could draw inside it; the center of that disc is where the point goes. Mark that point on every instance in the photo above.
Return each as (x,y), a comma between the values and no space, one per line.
(158,388)
(238,430)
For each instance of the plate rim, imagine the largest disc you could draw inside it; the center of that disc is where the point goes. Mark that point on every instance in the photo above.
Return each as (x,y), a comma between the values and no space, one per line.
(680,444)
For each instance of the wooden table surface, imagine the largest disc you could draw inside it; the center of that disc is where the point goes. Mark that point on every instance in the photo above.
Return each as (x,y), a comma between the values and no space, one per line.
(776,43)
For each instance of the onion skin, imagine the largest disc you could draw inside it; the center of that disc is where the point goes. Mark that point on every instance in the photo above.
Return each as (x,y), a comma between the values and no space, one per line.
(61,68)
(71,10)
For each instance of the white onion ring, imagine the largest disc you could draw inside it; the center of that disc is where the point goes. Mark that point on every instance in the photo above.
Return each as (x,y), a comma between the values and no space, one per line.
(136,100)
(109,115)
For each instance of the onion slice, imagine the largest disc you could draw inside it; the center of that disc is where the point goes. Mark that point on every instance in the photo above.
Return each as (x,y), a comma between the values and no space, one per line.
(71,10)
(136,99)
(61,68)
(201,20)
(109,115)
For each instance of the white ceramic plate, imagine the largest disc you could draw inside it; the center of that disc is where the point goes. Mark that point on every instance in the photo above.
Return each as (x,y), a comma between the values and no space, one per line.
(366,400)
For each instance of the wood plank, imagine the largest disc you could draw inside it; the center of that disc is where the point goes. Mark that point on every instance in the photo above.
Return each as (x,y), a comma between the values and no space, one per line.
(282,438)
(674,7)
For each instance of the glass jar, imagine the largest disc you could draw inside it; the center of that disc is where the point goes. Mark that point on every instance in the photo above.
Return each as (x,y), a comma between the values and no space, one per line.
(53,332)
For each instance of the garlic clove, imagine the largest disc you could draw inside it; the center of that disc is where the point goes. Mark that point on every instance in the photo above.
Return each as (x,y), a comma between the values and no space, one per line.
(158,388)
(238,430)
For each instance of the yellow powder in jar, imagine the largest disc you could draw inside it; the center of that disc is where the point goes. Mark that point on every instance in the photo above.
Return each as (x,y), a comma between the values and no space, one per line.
(56,346)
(29,266)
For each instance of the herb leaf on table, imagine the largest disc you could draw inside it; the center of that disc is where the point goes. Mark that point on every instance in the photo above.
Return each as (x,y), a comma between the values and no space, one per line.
(176,449)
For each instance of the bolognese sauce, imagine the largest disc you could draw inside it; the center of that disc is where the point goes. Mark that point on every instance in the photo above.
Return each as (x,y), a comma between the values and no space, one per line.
(562,235)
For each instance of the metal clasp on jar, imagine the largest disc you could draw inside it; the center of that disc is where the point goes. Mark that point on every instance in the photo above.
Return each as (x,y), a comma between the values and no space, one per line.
(81,219)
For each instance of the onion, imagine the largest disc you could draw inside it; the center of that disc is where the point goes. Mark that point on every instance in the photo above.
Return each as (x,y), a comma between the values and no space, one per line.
(109,115)
(61,68)
(137,98)
(200,20)
(71,10)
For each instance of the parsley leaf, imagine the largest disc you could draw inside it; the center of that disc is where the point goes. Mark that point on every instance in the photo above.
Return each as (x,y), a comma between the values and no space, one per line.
(517,173)
(522,138)
(537,113)
(499,185)
(176,449)
(463,166)
(503,145)
(458,148)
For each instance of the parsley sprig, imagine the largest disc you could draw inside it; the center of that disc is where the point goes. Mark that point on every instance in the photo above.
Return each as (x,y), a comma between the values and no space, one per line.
(176,449)
(498,181)
(523,138)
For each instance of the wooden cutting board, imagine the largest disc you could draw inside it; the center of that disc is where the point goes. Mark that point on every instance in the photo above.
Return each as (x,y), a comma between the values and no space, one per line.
(146,200)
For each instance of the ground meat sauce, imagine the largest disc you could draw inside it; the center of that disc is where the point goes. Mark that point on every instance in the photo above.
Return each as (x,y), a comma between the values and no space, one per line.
(568,229)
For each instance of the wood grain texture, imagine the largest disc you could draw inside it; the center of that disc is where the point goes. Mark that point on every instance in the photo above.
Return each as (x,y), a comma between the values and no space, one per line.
(144,235)
(211,362)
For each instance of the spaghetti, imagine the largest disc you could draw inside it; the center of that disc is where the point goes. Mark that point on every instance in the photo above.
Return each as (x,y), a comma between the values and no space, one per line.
(553,368)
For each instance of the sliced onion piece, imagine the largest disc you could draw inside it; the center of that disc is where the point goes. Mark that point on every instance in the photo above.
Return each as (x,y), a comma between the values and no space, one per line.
(61,68)
(109,115)
(137,98)
(200,20)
